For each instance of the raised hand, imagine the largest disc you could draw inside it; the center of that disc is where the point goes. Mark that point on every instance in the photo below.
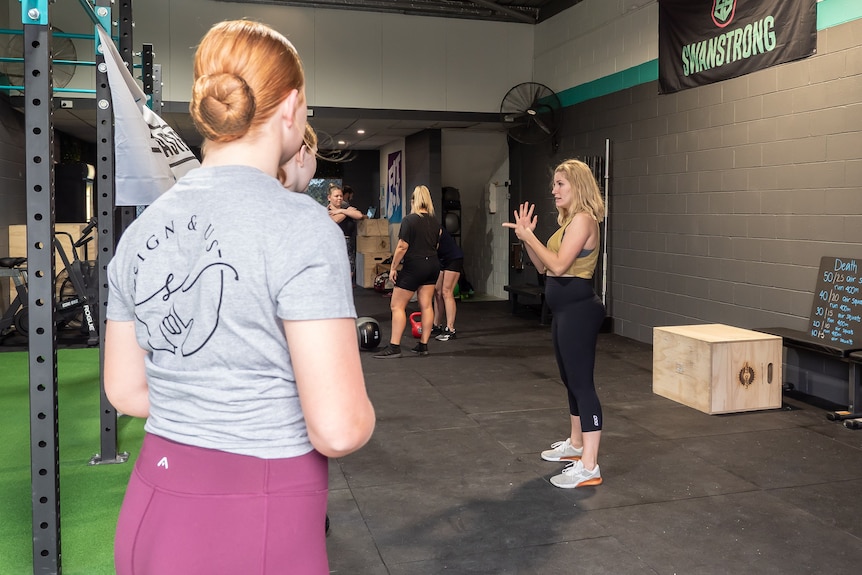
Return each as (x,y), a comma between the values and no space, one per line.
(525,221)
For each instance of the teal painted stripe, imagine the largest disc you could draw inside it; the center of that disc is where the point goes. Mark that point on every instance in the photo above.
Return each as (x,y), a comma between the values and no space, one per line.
(829,13)
(834,12)
(641,74)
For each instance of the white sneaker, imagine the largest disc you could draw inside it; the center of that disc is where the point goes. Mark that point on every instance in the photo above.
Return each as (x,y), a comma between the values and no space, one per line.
(574,475)
(563,451)
(446,334)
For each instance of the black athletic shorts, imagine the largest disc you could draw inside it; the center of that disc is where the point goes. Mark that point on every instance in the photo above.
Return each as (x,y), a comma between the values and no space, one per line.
(456,265)
(418,272)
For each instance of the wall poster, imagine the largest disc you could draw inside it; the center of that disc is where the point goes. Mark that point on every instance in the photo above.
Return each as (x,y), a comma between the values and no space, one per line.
(706,41)
(395,188)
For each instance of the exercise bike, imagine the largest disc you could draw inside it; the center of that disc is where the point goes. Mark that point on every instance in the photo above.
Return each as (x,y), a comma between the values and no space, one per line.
(76,291)
(14,317)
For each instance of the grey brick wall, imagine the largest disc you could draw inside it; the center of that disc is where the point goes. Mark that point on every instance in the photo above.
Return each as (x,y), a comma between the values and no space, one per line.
(723,197)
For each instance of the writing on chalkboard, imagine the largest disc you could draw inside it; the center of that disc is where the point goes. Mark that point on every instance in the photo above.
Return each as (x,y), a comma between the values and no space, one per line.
(836,314)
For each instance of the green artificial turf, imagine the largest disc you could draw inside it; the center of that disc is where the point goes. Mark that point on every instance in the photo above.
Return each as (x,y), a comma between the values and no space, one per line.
(90,495)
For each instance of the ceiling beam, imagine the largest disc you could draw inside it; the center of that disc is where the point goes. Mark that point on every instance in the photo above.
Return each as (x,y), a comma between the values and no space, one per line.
(469,9)
(504,10)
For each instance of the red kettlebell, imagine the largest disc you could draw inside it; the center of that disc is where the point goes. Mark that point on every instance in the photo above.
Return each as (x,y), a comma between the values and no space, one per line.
(416,324)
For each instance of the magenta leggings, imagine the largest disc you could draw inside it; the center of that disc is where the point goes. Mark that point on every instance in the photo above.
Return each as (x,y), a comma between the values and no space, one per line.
(190,510)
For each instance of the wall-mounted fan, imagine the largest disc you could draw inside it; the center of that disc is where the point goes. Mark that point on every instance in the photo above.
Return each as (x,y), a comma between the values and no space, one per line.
(64,49)
(531,113)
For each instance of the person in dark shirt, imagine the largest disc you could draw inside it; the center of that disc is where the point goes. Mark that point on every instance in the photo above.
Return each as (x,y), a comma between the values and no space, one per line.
(347,196)
(451,267)
(346,217)
(417,249)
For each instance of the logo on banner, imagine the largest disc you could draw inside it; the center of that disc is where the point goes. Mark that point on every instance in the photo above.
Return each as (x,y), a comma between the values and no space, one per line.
(736,38)
(723,11)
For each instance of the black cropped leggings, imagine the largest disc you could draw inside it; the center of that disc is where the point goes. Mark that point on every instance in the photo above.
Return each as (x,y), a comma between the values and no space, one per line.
(578,314)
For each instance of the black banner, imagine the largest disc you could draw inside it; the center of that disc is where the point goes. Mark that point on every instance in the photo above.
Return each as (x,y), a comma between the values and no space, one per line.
(706,41)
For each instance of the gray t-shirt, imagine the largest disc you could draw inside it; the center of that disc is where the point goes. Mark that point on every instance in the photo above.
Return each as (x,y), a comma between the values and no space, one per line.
(207,273)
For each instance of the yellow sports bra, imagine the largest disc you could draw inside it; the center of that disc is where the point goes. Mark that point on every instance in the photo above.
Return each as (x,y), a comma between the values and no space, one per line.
(585,263)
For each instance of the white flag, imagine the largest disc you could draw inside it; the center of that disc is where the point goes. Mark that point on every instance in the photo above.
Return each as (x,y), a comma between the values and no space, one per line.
(149,156)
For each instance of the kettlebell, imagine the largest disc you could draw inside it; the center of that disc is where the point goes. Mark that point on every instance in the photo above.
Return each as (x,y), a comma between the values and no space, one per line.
(416,324)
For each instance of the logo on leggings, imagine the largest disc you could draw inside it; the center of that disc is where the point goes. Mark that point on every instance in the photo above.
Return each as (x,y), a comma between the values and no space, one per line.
(595,422)
(163,462)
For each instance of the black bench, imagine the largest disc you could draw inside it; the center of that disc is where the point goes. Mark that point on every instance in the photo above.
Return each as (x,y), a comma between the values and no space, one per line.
(531,290)
(852,356)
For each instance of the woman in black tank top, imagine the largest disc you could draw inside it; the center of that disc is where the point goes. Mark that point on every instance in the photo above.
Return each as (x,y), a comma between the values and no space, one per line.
(346,217)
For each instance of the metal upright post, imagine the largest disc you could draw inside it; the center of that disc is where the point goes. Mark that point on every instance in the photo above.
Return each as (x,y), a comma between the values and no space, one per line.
(39,152)
(156,101)
(147,68)
(606,232)
(152,80)
(105,209)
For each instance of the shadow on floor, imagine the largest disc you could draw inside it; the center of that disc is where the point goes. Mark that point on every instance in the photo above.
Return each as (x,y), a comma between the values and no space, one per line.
(452,480)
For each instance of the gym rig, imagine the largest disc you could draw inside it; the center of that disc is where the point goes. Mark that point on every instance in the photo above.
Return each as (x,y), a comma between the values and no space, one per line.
(39,103)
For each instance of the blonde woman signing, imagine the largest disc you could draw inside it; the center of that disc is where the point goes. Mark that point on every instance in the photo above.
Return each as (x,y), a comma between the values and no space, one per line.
(417,249)
(569,260)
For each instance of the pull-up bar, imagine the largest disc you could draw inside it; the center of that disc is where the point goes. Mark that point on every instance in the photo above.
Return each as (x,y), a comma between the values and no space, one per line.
(56,90)
(36,12)
(55,33)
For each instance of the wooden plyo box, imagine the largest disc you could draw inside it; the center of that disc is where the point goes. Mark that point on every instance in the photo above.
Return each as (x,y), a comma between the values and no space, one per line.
(366,267)
(373,227)
(717,368)
(372,244)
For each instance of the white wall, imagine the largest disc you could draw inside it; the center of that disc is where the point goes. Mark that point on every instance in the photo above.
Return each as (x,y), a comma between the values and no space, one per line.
(594,39)
(496,259)
(471,160)
(352,59)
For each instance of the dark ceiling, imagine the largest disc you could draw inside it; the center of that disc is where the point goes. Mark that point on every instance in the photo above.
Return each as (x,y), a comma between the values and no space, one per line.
(524,11)
(77,117)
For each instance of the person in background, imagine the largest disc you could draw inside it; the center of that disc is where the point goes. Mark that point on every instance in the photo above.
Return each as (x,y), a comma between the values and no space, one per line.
(347,193)
(451,266)
(226,297)
(347,196)
(296,174)
(417,250)
(298,171)
(346,218)
(569,260)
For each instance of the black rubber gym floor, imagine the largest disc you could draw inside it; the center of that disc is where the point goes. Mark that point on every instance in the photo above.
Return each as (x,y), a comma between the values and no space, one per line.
(452,480)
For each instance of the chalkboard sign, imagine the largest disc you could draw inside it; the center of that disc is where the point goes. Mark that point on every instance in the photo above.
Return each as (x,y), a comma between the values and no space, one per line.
(836,314)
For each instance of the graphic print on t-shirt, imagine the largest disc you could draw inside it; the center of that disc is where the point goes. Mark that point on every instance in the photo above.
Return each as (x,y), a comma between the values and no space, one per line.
(179,285)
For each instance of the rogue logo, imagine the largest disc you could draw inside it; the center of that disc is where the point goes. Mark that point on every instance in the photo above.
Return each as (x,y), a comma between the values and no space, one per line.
(723,12)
